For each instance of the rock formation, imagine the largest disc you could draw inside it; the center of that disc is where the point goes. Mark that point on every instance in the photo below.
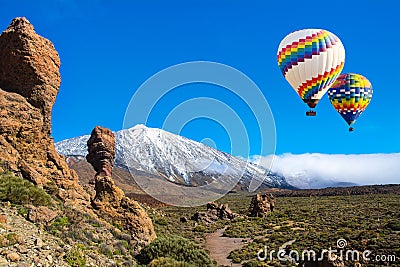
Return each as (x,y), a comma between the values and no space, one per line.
(29,66)
(110,201)
(261,205)
(29,83)
(101,148)
(214,212)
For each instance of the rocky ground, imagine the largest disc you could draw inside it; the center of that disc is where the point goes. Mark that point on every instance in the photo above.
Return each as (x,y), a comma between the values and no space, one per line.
(22,243)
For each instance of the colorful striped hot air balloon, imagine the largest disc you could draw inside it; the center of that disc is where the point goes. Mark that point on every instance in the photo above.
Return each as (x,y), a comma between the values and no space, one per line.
(350,95)
(311,60)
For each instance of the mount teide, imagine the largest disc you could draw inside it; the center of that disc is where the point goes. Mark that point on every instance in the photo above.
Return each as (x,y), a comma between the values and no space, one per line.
(176,158)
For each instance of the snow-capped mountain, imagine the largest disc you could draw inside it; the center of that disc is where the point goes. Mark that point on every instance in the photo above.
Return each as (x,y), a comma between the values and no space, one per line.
(176,158)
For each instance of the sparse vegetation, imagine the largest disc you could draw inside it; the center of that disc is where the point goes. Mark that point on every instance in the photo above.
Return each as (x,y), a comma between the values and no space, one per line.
(176,248)
(9,239)
(59,226)
(168,262)
(20,191)
(367,222)
(76,257)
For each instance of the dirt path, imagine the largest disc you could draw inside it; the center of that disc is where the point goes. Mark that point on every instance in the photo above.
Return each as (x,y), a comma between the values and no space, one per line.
(220,247)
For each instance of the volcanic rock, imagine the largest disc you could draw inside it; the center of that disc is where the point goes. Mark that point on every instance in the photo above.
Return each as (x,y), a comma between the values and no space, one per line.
(41,214)
(30,66)
(261,205)
(214,213)
(13,256)
(110,201)
(3,219)
(29,83)
(101,148)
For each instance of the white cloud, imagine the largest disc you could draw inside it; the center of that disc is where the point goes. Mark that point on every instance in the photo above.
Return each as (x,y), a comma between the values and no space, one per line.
(322,170)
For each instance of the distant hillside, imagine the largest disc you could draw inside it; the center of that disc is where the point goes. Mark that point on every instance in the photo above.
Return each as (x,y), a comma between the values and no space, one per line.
(337,191)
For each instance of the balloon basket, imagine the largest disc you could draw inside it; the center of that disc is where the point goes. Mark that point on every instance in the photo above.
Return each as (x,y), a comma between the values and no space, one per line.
(311,113)
(351,129)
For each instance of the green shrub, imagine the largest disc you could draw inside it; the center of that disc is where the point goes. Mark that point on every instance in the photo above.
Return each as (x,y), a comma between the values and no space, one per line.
(253,263)
(168,262)
(76,257)
(161,221)
(20,191)
(61,222)
(200,229)
(59,226)
(106,250)
(23,211)
(177,248)
(394,225)
(8,239)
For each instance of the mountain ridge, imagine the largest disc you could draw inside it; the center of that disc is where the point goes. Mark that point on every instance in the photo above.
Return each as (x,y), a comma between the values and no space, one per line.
(176,158)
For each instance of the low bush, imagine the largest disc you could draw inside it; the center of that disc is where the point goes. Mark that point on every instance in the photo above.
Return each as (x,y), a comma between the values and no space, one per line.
(76,257)
(394,225)
(168,262)
(7,240)
(176,248)
(20,191)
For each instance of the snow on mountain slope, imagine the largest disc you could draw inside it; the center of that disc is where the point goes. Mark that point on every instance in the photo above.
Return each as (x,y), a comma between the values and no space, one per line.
(176,158)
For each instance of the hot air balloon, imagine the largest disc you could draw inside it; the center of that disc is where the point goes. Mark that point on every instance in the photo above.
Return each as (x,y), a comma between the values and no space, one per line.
(311,60)
(350,95)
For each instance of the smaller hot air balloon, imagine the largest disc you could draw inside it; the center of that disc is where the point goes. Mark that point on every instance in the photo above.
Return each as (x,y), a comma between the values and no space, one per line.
(350,95)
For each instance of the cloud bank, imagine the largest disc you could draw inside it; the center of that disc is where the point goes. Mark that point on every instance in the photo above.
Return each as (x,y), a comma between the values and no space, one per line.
(322,170)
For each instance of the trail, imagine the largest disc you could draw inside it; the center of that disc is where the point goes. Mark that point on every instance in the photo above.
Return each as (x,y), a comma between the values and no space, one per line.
(220,247)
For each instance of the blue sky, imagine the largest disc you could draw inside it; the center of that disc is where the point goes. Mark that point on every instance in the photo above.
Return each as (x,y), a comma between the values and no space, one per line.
(109,48)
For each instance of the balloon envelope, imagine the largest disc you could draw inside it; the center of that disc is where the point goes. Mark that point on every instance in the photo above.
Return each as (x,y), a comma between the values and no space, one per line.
(311,60)
(350,95)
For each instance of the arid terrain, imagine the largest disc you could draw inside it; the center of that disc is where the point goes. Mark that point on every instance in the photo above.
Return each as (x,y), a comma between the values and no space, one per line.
(58,211)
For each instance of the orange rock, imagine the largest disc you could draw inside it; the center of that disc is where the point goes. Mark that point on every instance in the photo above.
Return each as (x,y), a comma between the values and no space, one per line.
(110,201)
(261,205)
(29,83)
(3,219)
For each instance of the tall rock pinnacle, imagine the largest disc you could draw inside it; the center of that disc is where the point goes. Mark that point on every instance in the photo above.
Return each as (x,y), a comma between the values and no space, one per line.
(101,148)
(110,201)
(29,83)
(29,66)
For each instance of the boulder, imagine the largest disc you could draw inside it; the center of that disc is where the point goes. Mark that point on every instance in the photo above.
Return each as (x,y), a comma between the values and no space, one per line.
(214,213)
(41,214)
(13,257)
(3,219)
(261,205)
